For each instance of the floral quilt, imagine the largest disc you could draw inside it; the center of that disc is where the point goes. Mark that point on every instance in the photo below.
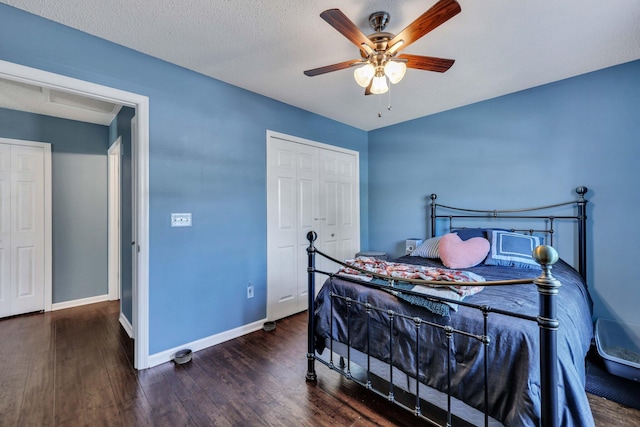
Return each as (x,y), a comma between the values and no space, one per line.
(450,288)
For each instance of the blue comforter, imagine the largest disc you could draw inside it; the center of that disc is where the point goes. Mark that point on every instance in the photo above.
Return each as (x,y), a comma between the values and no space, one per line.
(514,367)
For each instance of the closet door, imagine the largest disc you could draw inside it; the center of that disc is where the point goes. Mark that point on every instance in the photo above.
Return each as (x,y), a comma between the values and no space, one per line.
(292,199)
(310,187)
(339,205)
(22,231)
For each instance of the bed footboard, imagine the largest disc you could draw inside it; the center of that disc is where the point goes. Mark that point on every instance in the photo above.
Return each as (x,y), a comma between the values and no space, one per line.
(547,286)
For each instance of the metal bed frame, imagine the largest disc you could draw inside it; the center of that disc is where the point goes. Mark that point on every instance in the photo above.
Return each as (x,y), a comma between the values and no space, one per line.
(546,284)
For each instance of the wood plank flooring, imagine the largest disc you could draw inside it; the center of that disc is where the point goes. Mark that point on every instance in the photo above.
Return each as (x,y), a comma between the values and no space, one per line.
(73,368)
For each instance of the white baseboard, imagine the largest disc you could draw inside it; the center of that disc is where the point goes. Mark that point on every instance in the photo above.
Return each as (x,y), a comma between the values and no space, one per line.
(79,302)
(201,344)
(124,322)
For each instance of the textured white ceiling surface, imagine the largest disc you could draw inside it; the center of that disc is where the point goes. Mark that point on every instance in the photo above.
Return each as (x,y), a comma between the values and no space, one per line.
(500,46)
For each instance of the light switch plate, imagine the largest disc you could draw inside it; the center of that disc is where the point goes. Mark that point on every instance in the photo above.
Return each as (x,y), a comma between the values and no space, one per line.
(181,220)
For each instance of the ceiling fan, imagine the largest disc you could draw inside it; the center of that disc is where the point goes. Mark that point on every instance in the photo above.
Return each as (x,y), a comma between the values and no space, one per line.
(379,51)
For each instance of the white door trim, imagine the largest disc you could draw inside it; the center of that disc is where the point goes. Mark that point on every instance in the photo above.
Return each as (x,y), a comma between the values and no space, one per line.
(114,156)
(135,247)
(48,263)
(33,76)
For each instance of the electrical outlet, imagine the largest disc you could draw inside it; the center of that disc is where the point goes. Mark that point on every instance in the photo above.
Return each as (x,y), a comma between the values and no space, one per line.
(249,290)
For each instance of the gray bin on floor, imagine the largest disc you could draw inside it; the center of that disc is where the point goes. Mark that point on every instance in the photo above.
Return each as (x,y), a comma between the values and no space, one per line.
(618,344)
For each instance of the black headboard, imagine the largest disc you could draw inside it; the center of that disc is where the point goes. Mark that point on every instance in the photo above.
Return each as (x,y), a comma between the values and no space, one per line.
(537,214)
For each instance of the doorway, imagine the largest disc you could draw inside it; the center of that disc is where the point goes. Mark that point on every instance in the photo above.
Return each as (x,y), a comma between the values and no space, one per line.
(140,103)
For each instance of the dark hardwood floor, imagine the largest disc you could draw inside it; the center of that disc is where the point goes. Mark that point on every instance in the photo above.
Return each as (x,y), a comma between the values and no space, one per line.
(73,368)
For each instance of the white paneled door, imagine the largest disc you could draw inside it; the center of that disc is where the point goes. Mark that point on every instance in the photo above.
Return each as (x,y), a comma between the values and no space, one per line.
(22,227)
(339,214)
(310,187)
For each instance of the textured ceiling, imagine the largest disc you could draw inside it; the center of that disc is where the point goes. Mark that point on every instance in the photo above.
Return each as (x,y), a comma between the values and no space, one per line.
(500,46)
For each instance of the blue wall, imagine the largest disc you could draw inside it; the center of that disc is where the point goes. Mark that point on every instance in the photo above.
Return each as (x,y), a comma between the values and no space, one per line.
(525,149)
(79,199)
(207,157)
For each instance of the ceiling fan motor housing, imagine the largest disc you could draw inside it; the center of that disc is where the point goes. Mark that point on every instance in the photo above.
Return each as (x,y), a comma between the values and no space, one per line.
(379,20)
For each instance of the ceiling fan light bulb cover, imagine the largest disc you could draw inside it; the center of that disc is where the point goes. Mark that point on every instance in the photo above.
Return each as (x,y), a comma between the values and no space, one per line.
(395,71)
(364,74)
(379,85)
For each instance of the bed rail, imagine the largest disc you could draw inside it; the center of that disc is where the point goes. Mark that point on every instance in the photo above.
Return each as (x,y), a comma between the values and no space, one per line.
(547,321)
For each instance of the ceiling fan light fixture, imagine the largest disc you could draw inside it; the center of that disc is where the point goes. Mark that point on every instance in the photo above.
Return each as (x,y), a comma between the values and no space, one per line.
(364,74)
(379,85)
(378,61)
(395,71)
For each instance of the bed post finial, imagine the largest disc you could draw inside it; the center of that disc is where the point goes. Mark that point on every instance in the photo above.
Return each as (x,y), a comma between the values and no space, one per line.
(582,190)
(546,256)
(548,287)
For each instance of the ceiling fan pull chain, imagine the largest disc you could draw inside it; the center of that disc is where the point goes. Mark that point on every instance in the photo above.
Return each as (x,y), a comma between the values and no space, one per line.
(389,106)
(379,109)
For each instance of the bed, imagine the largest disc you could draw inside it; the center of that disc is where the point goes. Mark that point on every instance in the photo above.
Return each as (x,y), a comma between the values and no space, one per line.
(512,353)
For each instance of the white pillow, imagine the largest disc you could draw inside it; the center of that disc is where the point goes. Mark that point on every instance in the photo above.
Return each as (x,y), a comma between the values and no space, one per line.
(430,248)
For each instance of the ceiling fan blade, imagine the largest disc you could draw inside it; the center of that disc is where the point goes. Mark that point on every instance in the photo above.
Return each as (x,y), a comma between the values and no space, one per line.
(428,63)
(330,68)
(437,15)
(346,27)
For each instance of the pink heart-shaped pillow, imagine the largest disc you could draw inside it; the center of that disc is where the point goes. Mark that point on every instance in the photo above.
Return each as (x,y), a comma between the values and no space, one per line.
(458,253)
